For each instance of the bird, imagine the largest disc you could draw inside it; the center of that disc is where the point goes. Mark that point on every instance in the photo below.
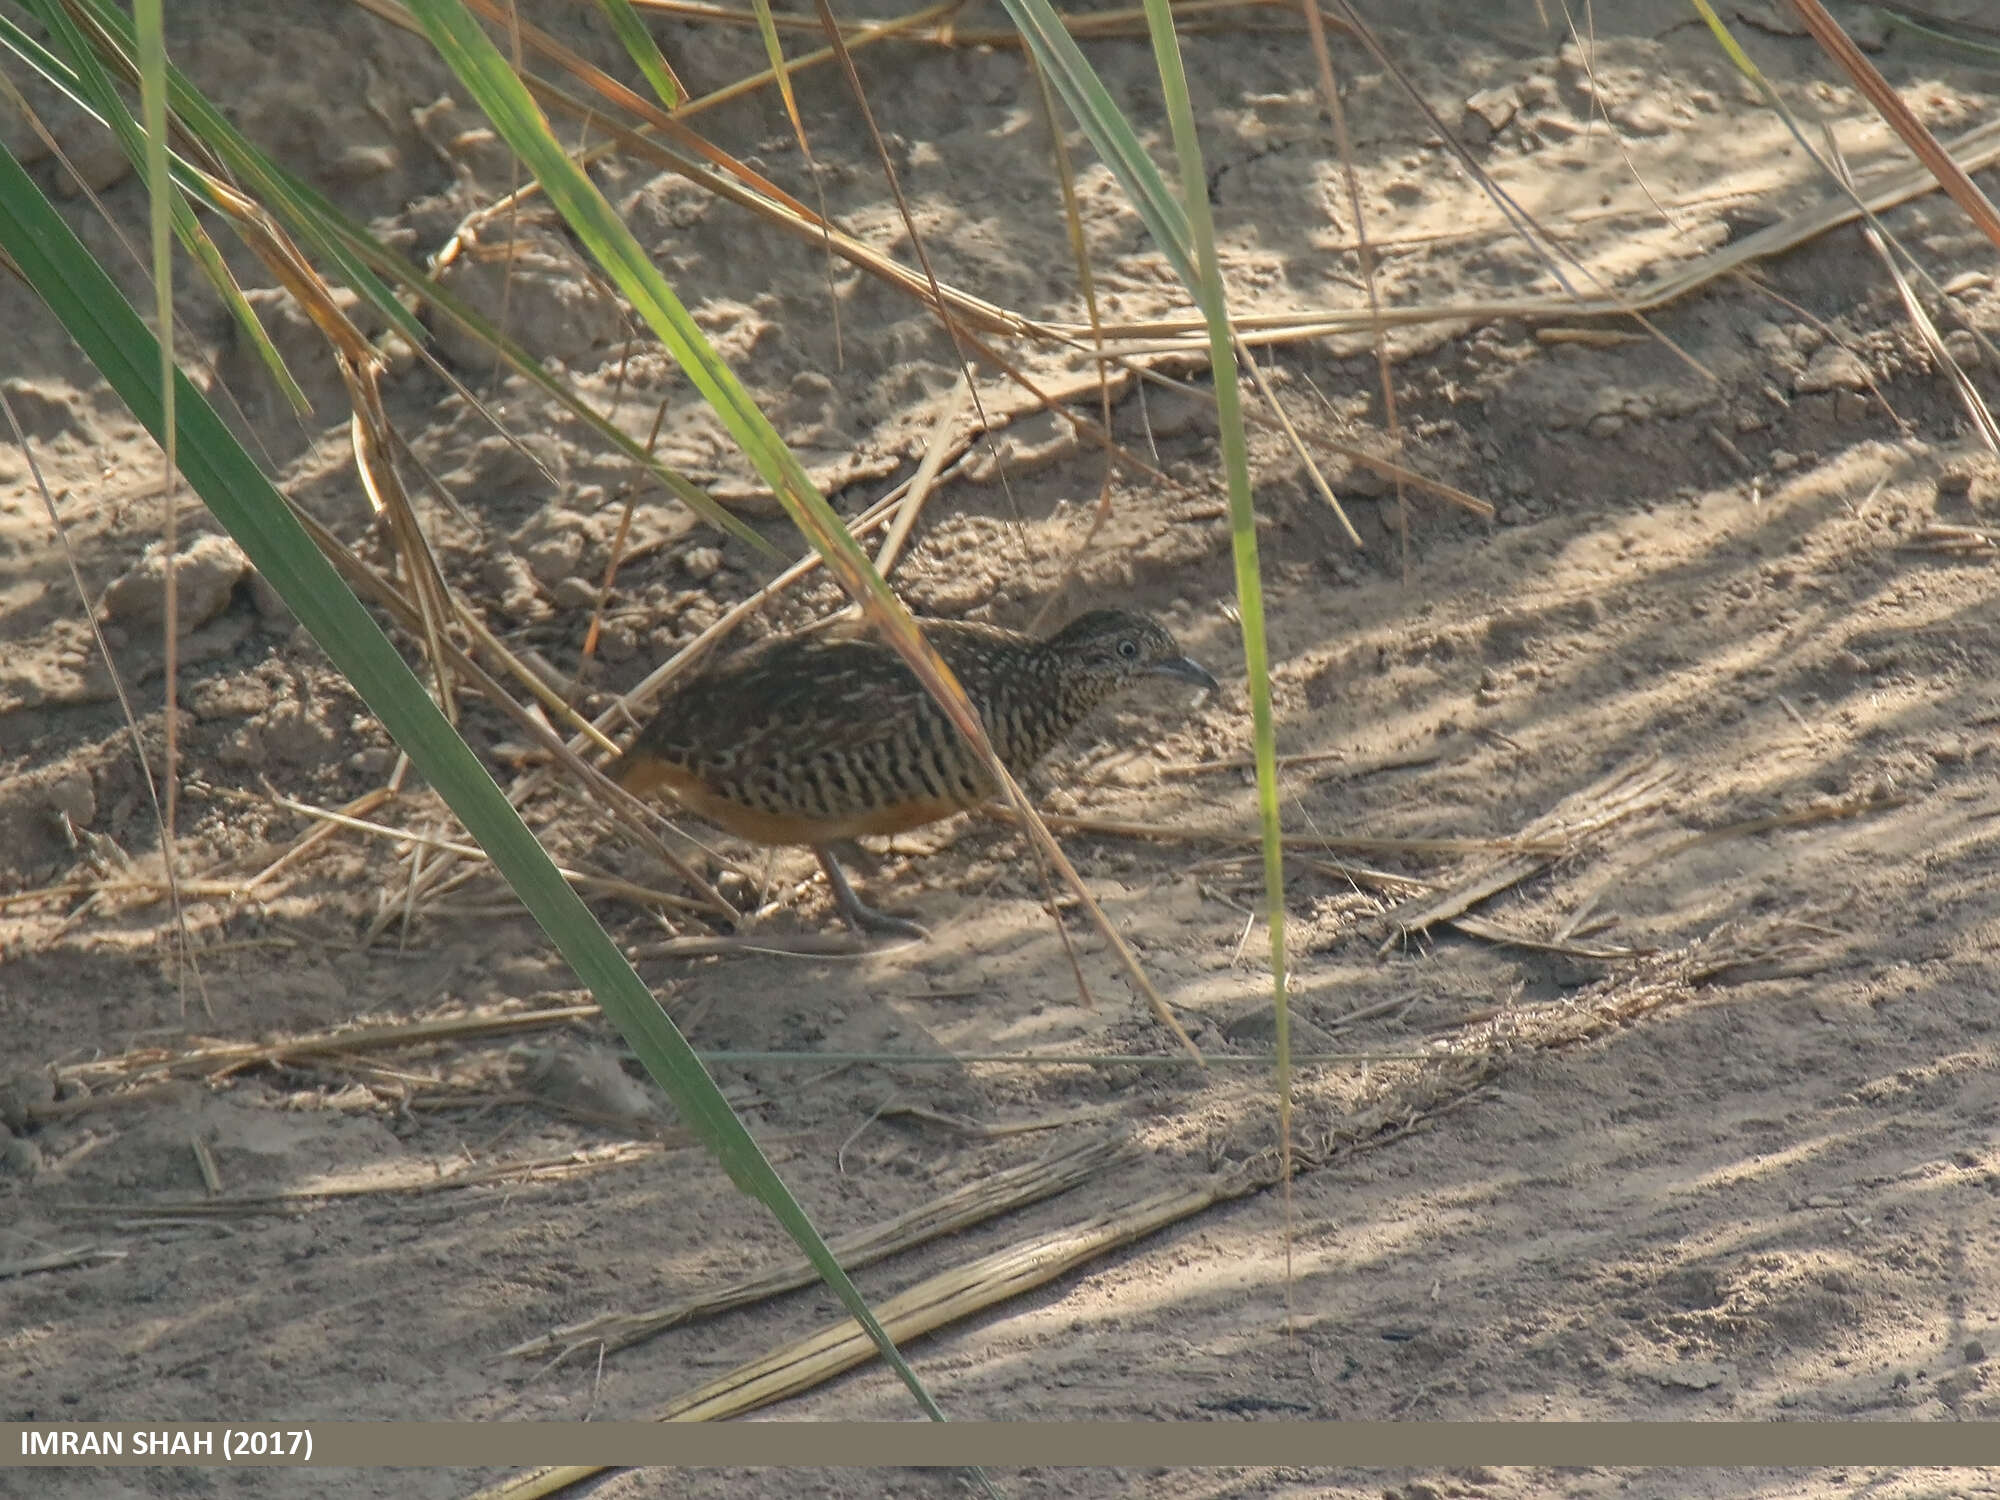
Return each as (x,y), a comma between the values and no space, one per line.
(815,738)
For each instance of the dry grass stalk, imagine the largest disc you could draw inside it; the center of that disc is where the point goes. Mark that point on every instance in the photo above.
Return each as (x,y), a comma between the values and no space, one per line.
(1126,828)
(472,853)
(776,945)
(1860,805)
(210,1058)
(1627,792)
(983,1130)
(974,1203)
(1974,150)
(1941,356)
(940,1300)
(1410,1100)
(1189,16)
(1957,541)
(1949,174)
(59,1260)
(1305,758)
(142,890)
(204,1161)
(366,582)
(1568,947)
(1298,445)
(420,1182)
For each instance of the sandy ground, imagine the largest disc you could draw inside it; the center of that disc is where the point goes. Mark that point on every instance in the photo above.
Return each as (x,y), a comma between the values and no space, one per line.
(1769,1191)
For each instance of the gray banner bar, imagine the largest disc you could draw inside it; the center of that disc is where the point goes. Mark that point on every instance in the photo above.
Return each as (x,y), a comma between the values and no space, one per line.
(999,1445)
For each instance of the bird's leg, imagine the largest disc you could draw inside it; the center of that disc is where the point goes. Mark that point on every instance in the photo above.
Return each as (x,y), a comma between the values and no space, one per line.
(861,917)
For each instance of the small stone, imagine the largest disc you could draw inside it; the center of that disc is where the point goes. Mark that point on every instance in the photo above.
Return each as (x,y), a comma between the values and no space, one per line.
(205,575)
(1833,368)
(1849,408)
(553,545)
(1489,112)
(587,1079)
(702,563)
(513,586)
(397,350)
(292,732)
(94,155)
(23,1095)
(574,593)
(244,748)
(1967,281)
(1772,338)
(74,796)
(1691,1375)
(227,697)
(1783,461)
(45,409)
(272,611)
(1964,349)
(358,163)
(1258,1027)
(1645,114)
(1605,425)
(1974,1352)
(19,1157)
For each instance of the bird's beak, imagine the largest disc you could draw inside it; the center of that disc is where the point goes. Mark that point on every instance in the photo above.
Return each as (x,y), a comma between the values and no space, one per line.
(1187,670)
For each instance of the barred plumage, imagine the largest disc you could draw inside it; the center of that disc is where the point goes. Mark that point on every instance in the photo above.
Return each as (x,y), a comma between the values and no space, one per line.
(809,739)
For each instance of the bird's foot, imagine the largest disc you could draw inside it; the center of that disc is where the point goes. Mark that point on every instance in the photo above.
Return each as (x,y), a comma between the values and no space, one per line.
(859,915)
(863,918)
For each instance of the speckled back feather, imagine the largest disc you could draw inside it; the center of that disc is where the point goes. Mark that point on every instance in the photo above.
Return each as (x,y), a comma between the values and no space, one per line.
(807,738)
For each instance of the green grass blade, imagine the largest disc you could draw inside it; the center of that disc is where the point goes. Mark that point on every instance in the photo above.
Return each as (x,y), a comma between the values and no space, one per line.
(357,257)
(255,174)
(774,49)
(1209,293)
(639,46)
(488,78)
(117,342)
(1109,131)
(163,197)
(88,85)
(1186,235)
(1943,38)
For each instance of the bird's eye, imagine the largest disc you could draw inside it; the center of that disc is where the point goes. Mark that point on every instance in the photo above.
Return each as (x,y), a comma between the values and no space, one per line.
(1128,649)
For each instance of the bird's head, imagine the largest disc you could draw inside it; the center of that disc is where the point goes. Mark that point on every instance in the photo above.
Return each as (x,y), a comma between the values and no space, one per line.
(1115,647)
